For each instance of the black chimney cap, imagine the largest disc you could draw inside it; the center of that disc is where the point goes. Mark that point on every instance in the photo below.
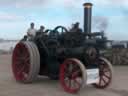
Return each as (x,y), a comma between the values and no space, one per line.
(88,5)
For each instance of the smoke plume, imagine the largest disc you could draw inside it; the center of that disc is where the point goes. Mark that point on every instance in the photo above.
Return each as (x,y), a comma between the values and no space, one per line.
(100,23)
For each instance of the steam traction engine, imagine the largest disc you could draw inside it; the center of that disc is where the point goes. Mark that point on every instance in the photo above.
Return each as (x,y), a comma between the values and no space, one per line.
(72,57)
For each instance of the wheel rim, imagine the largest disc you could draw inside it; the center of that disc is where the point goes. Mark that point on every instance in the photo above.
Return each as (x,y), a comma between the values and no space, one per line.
(105,73)
(71,76)
(21,62)
(60,29)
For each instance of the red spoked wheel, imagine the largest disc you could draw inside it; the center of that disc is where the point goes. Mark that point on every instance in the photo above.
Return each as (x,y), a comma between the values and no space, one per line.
(72,75)
(25,62)
(105,73)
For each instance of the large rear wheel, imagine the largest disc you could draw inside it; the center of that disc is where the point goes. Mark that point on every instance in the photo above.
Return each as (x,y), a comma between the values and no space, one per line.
(72,75)
(25,62)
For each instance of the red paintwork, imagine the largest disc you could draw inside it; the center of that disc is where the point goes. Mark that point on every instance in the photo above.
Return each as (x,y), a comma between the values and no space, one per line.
(21,62)
(73,75)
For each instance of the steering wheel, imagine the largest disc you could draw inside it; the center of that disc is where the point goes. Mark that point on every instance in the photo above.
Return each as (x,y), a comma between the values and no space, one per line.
(60,29)
(48,31)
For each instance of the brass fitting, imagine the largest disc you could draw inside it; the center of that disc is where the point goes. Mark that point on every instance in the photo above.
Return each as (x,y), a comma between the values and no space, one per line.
(87,5)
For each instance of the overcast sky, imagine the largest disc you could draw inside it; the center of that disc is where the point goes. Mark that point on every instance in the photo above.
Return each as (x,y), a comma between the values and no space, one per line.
(16,15)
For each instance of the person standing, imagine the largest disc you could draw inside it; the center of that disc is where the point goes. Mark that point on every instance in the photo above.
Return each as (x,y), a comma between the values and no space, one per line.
(41,30)
(31,32)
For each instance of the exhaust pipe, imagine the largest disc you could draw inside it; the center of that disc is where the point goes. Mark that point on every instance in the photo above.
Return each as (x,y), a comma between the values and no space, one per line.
(87,17)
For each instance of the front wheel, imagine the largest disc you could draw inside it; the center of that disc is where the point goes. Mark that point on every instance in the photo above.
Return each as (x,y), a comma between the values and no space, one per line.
(105,73)
(72,75)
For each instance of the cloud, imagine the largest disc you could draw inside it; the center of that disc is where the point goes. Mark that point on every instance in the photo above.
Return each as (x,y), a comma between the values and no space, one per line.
(67,3)
(10,17)
(111,3)
(41,3)
(30,3)
(122,3)
(22,3)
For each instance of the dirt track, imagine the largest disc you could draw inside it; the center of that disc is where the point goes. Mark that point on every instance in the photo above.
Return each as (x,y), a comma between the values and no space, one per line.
(46,87)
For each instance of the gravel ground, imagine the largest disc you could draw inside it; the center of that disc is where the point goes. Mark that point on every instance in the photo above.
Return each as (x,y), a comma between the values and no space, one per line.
(46,87)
